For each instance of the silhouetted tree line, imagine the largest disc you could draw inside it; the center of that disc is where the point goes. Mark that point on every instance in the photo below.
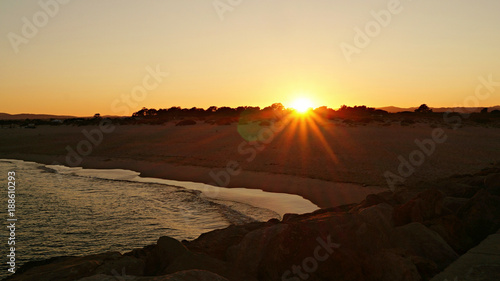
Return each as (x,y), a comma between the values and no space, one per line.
(176,112)
(227,115)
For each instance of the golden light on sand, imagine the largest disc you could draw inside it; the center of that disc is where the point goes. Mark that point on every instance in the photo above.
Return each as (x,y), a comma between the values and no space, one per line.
(302,105)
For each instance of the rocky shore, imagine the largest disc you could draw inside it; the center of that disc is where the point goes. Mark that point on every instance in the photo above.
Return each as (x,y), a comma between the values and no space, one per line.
(410,234)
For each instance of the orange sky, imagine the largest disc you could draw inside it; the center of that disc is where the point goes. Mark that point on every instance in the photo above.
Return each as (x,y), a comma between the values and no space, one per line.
(94,56)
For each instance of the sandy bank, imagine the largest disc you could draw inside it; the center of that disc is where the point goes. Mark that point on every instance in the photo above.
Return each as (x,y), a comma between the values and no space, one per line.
(325,163)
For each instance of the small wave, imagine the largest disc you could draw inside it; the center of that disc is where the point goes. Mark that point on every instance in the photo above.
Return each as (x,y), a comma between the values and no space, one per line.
(278,202)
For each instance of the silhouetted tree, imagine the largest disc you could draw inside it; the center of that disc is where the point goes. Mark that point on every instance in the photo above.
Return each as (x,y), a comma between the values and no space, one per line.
(484,110)
(277,106)
(324,112)
(140,113)
(212,109)
(423,109)
(151,112)
(225,110)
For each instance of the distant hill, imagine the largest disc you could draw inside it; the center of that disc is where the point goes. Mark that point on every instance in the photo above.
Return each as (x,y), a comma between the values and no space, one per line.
(394,109)
(22,116)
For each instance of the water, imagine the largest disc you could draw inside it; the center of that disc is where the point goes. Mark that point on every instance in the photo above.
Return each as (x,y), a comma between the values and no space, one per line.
(70,211)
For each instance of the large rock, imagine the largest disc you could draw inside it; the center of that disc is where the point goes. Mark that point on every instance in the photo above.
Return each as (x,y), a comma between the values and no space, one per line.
(460,189)
(425,206)
(392,265)
(380,216)
(249,254)
(452,230)
(200,261)
(426,268)
(492,184)
(130,265)
(215,243)
(72,268)
(189,275)
(160,257)
(402,196)
(370,200)
(454,203)
(170,256)
(421,241)
(481,215)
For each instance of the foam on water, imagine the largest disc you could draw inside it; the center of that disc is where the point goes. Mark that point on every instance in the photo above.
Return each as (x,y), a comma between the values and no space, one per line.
(278,202)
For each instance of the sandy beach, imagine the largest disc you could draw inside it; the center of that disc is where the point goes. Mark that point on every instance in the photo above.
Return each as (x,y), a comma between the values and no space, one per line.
(329,164)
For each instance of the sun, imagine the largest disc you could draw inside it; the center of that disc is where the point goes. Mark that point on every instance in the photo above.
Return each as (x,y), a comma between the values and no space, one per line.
(302,105)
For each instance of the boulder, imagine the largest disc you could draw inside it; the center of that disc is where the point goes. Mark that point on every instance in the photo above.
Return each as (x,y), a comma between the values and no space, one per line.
(170,248)
(160,257)
(492,184)
(454,203)
(189,275)
(255,246)
(370,200)
(452,230)
(200,261)
(380,216)
(481,215)
(484,272)
(392,265)
(425,206)
(420,241)
(125,264)
(426,268)
(72,268)
(215,243)
(170,256)
(460,190)
(402,196)
(288,217)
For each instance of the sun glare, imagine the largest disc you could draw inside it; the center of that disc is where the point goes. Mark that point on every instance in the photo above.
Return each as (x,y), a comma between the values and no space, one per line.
(302,105)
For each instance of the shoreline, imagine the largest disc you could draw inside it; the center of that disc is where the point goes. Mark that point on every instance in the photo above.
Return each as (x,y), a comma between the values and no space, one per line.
(322,193)
(280,203)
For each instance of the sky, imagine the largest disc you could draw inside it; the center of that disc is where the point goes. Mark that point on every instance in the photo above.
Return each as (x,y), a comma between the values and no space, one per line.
(114,57)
